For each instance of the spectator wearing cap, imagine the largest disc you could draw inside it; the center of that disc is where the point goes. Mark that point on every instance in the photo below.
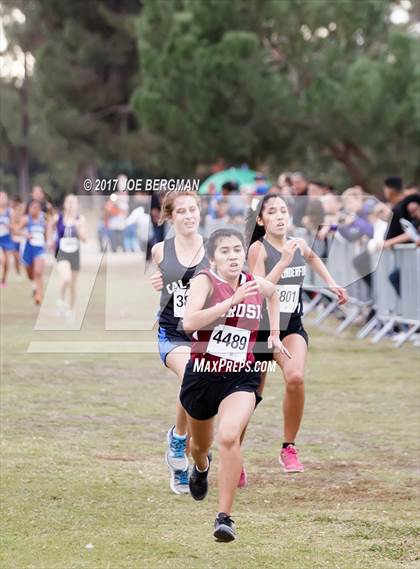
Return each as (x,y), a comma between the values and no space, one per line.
(237,205)
(261,184)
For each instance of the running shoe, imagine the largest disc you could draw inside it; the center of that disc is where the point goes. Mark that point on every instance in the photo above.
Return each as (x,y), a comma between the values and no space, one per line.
(243,479)
(179,482)
(70,317)
(176,456)
(61,307)
(198,482)
(223,528)
(290,460)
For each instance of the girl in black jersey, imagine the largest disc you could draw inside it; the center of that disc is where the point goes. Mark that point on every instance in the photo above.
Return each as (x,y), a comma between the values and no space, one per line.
(282,261)
(178,259)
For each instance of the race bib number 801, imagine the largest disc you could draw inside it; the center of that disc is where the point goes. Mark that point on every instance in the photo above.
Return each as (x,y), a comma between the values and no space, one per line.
(229,342)
(289,297)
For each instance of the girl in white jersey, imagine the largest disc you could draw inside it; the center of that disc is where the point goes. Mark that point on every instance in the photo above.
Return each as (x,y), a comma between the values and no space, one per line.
(70,228)
(36,232)
(6,244)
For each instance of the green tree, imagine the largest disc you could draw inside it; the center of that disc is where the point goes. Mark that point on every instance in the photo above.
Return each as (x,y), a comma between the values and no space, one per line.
(16,84)
(85,64)
(328,86)
(85,70)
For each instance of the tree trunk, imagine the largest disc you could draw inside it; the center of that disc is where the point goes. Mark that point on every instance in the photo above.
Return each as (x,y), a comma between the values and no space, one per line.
(88,171)
(22,156)
(345,154)
(23,149)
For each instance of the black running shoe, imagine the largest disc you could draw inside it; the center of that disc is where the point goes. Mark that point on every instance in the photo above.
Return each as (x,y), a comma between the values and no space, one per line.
(198,482)
(223,528)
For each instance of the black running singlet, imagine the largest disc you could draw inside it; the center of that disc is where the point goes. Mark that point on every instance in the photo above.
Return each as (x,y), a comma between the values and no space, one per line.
(176,282)
(289,286)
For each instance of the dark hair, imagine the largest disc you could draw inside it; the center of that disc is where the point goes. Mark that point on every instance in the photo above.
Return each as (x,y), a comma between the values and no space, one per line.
(253,231)
(414,198)
(315,213)
(215,237)
(317,183)
(229,186)
(287,179)
(395,183)
(31,202)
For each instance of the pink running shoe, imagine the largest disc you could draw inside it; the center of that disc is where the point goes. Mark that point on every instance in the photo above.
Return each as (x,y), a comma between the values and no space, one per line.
(243,479)
(290,460)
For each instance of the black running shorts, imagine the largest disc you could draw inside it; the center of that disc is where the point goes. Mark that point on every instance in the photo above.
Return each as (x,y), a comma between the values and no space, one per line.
(262,353)
(202,392)
(72,258)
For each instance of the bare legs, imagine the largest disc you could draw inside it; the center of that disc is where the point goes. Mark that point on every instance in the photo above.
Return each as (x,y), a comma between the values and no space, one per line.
(38,270)
(294,396)
(176,361)
(64,270)
(35,275)
(5,263)
(234,414)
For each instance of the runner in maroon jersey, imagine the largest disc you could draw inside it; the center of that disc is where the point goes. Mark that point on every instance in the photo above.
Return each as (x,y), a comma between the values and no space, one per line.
(222,378)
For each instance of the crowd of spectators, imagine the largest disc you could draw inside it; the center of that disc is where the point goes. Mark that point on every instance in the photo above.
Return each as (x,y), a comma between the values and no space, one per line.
(315,208)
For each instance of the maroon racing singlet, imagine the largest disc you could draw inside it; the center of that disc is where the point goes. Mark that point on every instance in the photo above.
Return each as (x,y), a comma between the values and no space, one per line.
(231,337)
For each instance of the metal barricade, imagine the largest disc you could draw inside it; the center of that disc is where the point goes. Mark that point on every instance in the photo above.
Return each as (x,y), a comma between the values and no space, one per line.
(390,308)
(386,299)
(339,262)
(408,261)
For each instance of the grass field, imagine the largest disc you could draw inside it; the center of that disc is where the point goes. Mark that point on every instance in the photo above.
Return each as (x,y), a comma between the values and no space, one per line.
(83,437)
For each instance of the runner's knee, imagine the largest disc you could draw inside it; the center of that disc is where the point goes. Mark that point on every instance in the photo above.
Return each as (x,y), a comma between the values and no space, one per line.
(228,438)
(294,380)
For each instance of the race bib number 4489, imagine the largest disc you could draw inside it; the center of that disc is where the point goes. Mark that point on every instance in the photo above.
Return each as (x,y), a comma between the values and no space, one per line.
(229,342)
